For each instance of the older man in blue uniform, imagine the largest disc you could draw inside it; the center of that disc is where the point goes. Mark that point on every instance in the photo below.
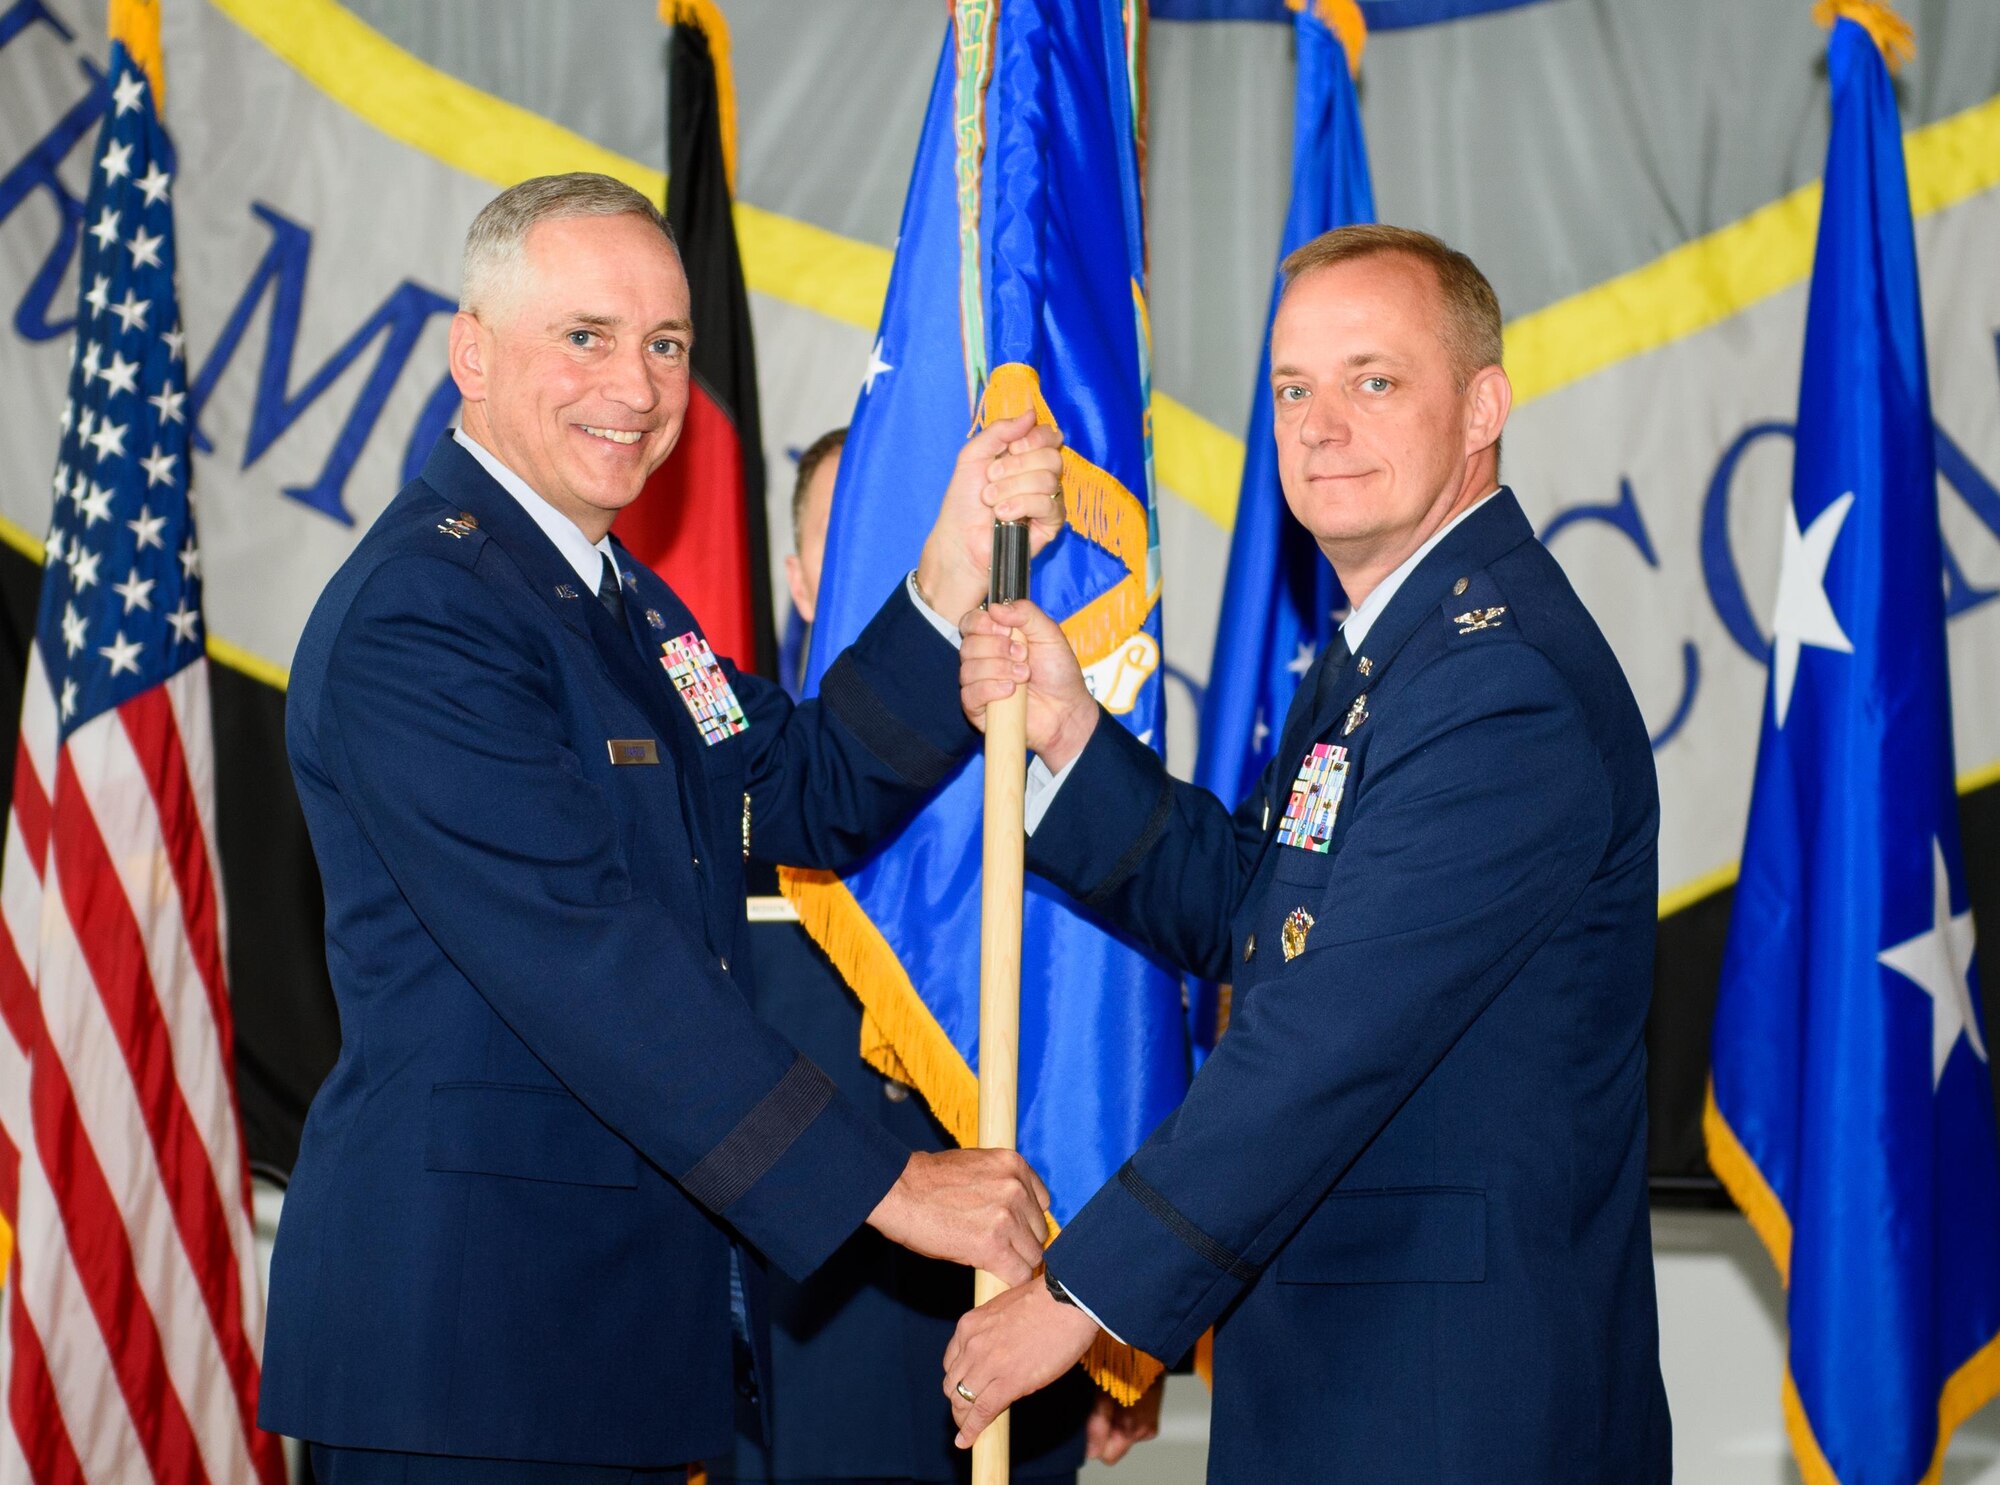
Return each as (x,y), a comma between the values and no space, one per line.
(508,1253)
(1408,1189)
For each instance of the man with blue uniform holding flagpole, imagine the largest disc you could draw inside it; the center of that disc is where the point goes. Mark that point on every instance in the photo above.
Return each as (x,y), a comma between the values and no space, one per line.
(1408,1186)
(511,1249)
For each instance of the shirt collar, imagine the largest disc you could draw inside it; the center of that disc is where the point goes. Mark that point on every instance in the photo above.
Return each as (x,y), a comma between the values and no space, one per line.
(576,548)
(1363,618)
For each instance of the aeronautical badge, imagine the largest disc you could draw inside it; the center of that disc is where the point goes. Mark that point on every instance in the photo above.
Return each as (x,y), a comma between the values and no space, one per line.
(1315,801)
(704,689)
(1356,715)
(1475,619)
(460,526)
(1298,923)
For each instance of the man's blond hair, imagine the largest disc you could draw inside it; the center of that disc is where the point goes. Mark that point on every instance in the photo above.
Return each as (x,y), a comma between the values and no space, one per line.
(1471,328)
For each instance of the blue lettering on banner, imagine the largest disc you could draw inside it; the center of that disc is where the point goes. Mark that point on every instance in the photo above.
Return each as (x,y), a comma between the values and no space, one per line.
(400,321)
(1718,560)
(1623,517)
(36,171)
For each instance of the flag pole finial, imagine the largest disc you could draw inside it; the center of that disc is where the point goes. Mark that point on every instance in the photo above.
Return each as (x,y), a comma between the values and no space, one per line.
(1344,19)
(136,23)
(706,17)
(1894,37)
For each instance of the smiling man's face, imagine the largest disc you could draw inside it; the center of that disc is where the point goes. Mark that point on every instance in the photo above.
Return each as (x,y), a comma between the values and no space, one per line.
(576,376)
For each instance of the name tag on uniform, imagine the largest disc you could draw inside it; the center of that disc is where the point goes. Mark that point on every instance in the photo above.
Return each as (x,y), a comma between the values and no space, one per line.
(704,690)
(1315,801)
(632,750)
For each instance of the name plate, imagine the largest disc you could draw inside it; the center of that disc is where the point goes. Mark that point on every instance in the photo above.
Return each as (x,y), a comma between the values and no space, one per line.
(633,750)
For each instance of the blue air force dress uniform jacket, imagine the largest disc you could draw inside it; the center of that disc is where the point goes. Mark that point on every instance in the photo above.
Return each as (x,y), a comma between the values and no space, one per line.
(508,1234)
(855,1345)
(1409,1184)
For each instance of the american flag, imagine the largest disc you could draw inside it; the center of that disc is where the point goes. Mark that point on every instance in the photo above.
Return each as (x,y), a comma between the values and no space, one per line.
(132,1319)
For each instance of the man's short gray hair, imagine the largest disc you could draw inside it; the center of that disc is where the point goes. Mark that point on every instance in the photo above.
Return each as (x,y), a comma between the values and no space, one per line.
(493,248)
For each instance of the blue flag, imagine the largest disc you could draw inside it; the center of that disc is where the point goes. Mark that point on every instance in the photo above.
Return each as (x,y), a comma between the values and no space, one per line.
(1852,1108)
(1021,247)
(1280,595)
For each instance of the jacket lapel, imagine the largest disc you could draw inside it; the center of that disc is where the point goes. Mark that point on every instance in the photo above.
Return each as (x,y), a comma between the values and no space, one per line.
(458,477)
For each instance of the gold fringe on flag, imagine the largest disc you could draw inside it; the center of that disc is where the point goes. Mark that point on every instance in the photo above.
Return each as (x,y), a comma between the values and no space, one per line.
(705,17)
(136,23)
(1344,19)
(1894,37)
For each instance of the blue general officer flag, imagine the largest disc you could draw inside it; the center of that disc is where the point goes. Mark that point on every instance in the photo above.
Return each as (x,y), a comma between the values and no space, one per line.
(1852,1110)
(1280,595)
(1021,247)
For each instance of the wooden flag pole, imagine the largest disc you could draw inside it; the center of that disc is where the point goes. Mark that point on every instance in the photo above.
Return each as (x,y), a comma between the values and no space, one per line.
(1000,939)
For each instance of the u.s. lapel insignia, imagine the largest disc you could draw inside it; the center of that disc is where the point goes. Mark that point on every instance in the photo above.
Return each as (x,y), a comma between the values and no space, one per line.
(565,590)
(654,620)
(460,526)
(703,688)
(1475,619)
(1298,923)
(1365,666)
(1356,715)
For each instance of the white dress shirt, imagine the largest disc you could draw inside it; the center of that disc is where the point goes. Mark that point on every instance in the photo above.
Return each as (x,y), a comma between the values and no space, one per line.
(578,550)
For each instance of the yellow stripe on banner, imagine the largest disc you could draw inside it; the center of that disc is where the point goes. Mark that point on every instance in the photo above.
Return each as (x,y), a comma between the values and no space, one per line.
(1730,269)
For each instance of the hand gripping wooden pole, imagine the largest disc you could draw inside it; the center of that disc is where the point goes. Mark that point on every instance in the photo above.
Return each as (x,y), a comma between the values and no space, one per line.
(1000,938)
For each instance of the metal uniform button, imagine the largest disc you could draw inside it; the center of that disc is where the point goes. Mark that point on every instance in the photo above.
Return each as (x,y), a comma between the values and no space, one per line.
(1249,948)
(894,1091)
(1458,588)
(725,964)
(697,863)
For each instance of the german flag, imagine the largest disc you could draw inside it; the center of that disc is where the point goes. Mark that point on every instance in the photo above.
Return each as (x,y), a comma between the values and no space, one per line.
(700,523)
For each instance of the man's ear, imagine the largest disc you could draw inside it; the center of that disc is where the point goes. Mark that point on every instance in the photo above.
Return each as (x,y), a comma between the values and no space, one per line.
(1489,398)
(470,351)
(795,579)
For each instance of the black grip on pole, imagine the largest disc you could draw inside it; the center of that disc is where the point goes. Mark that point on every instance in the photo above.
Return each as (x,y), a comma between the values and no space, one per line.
(1008,581)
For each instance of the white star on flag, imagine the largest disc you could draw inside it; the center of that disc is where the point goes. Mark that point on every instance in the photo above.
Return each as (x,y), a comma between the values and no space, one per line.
(1805,616)
(83,566)
(121,375)
(90,362)
(108,440)
(1300,663)
(131,311)
(1259,730)
(96,506)
(169,402)
(128,92)
(145,249)
(122,653)
(184,619)
(159,469)
(190,558)
(99,299)
(106,230)
(136,591)
(68,699)
(876,366)
(72,628)
(117,162)
(1936,961)
(148,528)
(54,552)
(175,339)
(154,184)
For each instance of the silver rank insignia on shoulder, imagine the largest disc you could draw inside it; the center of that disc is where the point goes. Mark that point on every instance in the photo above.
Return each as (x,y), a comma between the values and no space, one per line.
(1356,715)
(1298,923)
(1475,619)
(460,526)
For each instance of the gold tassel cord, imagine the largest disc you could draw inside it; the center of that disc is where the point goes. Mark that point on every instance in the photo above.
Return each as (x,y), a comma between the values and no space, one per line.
(705,17)
(1344,19)
(1894,37)
(136,23)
